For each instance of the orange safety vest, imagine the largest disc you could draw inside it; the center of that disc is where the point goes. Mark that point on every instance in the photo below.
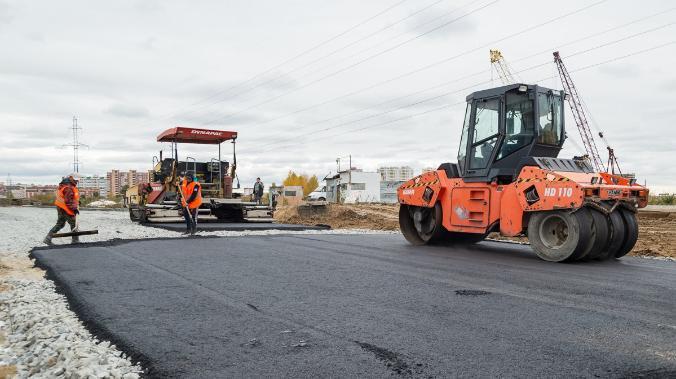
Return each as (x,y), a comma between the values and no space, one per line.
(187,189)
(60,200)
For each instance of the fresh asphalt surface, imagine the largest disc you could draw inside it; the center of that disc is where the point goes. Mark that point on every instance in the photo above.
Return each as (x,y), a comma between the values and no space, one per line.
(237,226)
(369,306)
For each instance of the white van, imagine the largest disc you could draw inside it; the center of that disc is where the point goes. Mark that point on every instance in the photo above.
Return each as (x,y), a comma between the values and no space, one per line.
(318,194)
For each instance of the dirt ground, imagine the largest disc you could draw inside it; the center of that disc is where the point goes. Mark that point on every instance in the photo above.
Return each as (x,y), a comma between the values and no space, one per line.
(344,216)
(657,229)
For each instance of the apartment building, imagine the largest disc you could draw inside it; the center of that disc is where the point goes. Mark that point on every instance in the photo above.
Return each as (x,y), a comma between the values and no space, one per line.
(395,173)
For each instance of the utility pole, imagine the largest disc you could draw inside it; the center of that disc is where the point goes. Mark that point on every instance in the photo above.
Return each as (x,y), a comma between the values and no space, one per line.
(76,145)
(349,180)
(9,194)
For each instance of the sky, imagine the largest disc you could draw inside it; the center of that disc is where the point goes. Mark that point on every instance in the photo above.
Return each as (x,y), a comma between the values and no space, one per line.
(306,82)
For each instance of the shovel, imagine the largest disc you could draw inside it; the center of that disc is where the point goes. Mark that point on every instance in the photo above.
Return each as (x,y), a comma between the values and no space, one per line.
(76,231)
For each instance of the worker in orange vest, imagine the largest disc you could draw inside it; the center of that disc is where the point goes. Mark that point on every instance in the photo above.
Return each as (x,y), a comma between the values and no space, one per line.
(67,205)
(191,201)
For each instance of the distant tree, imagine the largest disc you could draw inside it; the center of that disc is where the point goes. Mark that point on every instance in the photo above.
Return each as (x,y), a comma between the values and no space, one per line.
(123,189)
(312,185)
(308,183)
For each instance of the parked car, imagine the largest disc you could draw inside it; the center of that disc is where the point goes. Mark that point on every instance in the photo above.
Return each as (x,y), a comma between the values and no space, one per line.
(318,194)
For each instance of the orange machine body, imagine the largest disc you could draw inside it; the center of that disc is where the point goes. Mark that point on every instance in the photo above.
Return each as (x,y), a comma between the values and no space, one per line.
(476,207)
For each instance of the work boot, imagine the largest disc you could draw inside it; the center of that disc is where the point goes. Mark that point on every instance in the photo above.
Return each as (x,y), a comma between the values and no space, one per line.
(187,232)
(48,240)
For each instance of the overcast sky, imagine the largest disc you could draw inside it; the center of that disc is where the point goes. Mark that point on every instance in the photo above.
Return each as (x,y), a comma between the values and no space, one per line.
(304,82)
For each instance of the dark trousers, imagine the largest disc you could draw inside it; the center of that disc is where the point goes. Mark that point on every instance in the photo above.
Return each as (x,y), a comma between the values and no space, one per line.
(61,221)
(190,224)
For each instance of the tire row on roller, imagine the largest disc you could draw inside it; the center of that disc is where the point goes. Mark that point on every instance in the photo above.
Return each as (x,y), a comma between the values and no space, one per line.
(585,234)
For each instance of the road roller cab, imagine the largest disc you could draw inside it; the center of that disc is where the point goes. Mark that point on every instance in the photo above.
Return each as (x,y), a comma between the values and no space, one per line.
(509,179)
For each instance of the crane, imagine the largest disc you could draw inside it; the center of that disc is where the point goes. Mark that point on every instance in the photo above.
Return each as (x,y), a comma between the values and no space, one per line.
(500,65)
(577,107)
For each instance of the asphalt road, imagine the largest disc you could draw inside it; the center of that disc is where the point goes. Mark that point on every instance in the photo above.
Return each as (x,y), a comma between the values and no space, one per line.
(370,306)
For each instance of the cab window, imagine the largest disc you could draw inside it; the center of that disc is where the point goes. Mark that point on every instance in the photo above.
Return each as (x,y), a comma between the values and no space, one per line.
(549,119)
(462,150)
(518,123)
(486,124)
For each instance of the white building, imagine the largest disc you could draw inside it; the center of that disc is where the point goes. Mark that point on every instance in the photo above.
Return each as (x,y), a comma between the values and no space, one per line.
(395,174)
(353,186)
(99,183)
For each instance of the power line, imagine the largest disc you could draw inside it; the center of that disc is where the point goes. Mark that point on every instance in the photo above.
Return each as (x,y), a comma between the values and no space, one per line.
(605,31)
(296,89)
(380,31)
(466,77)
(293,58)
(431,65)
(307,64)
(543,79)
(458,103)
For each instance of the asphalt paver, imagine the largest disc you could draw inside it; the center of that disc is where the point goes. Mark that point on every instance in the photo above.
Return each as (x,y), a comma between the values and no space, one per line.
(369,306)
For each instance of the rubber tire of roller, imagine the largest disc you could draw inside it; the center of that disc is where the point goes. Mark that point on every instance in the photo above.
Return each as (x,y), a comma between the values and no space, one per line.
(602,236)
(439,229)
(616,224)
(580,235)
(408,228)
(630,232)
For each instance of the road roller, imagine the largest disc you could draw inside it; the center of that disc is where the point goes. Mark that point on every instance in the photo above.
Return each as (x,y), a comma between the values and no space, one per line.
(509,179)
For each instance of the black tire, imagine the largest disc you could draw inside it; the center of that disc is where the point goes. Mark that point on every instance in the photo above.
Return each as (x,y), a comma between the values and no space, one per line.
(132,216)
(558,236)
(321,199)
(137,215)
(421,225)
(630,232)
(602,236)
(616,227)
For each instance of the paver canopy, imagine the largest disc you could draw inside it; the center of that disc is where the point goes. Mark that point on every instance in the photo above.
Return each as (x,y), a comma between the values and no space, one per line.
(193,135)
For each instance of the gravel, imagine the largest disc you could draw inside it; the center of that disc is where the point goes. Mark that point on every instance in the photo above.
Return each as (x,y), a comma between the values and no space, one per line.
(39,334)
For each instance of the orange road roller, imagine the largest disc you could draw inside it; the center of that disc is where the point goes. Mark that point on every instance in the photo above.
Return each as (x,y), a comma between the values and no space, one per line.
(509,179)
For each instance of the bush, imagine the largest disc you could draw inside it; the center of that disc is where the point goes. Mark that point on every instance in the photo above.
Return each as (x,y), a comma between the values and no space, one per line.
(668,199)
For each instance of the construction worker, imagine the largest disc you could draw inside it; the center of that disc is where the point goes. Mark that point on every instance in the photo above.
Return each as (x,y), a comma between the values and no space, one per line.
(191,201)
(67,205)
(258,191)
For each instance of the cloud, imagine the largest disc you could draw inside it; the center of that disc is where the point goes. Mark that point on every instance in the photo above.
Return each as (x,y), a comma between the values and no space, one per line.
(668,85)
(621,71)
(127,111)
(150,65)
(5,16)
(148,6)
(427,21)
(148,43)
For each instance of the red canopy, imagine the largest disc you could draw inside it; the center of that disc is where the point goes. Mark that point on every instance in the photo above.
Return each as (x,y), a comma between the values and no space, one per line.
(194,135)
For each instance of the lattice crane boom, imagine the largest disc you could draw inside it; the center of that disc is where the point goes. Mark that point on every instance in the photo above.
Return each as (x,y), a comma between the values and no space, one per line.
(499,64)
(576,107)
